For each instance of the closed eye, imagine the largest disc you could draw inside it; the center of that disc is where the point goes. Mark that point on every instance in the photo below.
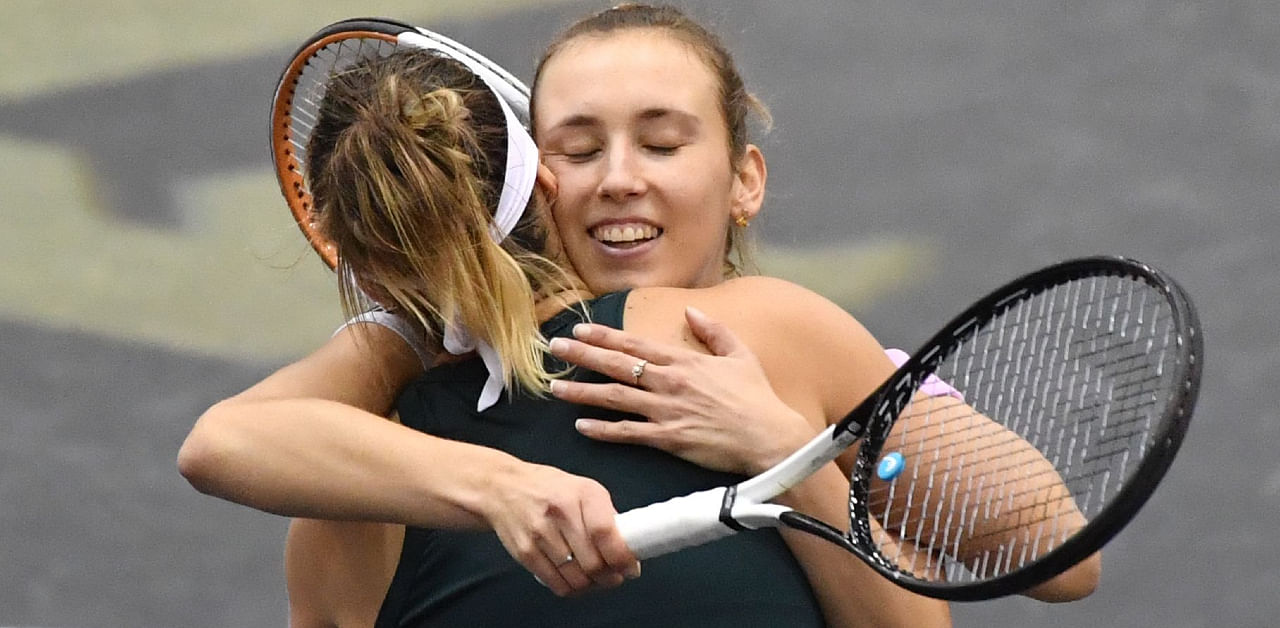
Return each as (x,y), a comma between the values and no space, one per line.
(582,156)
(662,150)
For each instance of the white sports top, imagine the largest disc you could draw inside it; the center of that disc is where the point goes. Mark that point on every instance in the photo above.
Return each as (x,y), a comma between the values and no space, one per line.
(410,333)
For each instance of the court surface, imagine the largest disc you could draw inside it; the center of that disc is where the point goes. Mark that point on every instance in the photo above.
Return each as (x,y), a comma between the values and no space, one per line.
(923,152)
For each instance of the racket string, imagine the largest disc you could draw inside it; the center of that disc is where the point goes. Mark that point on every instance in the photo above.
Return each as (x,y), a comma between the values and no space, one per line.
(1076,372)
(311,85)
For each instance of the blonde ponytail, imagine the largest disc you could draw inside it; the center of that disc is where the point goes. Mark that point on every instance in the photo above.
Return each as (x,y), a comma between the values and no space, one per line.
(406,191)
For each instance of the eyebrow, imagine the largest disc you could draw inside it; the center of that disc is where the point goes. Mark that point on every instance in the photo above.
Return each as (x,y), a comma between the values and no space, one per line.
(576,120)
(647,115)
(681,118)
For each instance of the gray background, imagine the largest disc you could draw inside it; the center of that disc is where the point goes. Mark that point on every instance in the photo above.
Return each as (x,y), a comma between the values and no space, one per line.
(980,139)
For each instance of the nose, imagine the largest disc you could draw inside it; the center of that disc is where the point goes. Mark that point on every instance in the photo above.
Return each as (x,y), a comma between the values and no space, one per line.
(622,177)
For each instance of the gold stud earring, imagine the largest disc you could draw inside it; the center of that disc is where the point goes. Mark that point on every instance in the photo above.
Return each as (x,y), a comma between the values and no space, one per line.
(742,221)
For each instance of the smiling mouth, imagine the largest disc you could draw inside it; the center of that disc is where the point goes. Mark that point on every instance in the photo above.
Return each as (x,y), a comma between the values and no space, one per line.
(625,236)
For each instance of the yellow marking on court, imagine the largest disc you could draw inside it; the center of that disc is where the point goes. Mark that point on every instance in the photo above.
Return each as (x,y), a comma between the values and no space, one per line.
(240,283)
(48,45)
(852,275)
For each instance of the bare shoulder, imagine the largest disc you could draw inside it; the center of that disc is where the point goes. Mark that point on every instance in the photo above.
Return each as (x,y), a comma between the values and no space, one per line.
(755,302)
(369,345)
(362,365)
(770,296)
(735,287)
(804,341)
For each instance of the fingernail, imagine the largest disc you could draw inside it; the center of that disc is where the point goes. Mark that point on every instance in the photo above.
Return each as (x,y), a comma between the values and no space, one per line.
(557,386)
(694,311)
(584,425)
(581,330)
(556,345)
(633,572)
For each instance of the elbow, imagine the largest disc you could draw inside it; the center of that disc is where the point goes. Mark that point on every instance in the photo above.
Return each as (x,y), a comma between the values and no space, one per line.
(205,451)
(1076,583)
(194,464)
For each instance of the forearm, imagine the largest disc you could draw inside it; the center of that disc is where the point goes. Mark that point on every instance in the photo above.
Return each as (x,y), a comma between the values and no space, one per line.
(325,460)
(987,463)
(850,592)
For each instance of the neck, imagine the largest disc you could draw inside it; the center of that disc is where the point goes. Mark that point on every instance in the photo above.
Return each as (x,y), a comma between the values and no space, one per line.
(567,293)
(553,304)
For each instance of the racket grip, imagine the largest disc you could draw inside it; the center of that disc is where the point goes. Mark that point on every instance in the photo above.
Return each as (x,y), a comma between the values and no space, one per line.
(674,524)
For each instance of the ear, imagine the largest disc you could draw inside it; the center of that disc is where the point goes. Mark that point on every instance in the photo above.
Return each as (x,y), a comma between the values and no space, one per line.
(547,188)
(749,183)
(547,184)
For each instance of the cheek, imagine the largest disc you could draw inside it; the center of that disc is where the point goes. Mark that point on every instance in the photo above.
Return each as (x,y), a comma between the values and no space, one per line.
(703,176)
(699,194)
(570,230)
(571,194)
(560,221)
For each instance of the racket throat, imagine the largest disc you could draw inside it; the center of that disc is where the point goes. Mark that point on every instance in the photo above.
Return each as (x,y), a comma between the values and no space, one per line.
(779,479)
(747,515)
(816,527)
(726,510)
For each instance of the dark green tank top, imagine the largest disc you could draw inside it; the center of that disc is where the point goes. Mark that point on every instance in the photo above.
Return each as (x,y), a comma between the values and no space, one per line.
(464,579)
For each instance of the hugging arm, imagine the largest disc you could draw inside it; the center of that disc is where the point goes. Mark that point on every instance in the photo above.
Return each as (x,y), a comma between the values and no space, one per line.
(312,441)
(977,456)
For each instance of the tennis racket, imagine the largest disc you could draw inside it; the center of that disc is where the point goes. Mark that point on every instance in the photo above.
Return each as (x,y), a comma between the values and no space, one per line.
(302,86)
(1072,389)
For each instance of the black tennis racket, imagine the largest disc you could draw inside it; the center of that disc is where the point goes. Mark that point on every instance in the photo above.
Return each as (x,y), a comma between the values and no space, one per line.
(1077,384)
(302,87)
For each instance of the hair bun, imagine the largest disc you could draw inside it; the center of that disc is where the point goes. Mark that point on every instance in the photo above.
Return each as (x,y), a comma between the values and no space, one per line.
(440,109)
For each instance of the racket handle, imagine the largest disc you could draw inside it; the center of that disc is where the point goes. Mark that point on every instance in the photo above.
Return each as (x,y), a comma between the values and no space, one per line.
(675,524)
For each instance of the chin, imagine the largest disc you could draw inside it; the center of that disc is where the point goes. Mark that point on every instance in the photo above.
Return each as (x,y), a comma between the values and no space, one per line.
(624,280)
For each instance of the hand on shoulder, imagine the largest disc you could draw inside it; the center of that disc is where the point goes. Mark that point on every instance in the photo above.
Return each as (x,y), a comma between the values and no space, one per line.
(804,340)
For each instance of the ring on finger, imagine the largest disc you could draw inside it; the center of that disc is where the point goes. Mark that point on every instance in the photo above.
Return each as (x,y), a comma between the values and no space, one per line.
(638,370)
(567,559)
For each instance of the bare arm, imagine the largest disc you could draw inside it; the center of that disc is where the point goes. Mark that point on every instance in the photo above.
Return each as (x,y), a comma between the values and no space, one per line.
(337,572)
(309,441)
(987,463)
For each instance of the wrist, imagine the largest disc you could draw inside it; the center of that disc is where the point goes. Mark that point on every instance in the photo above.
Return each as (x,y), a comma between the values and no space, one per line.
(793,432)
(466,494)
